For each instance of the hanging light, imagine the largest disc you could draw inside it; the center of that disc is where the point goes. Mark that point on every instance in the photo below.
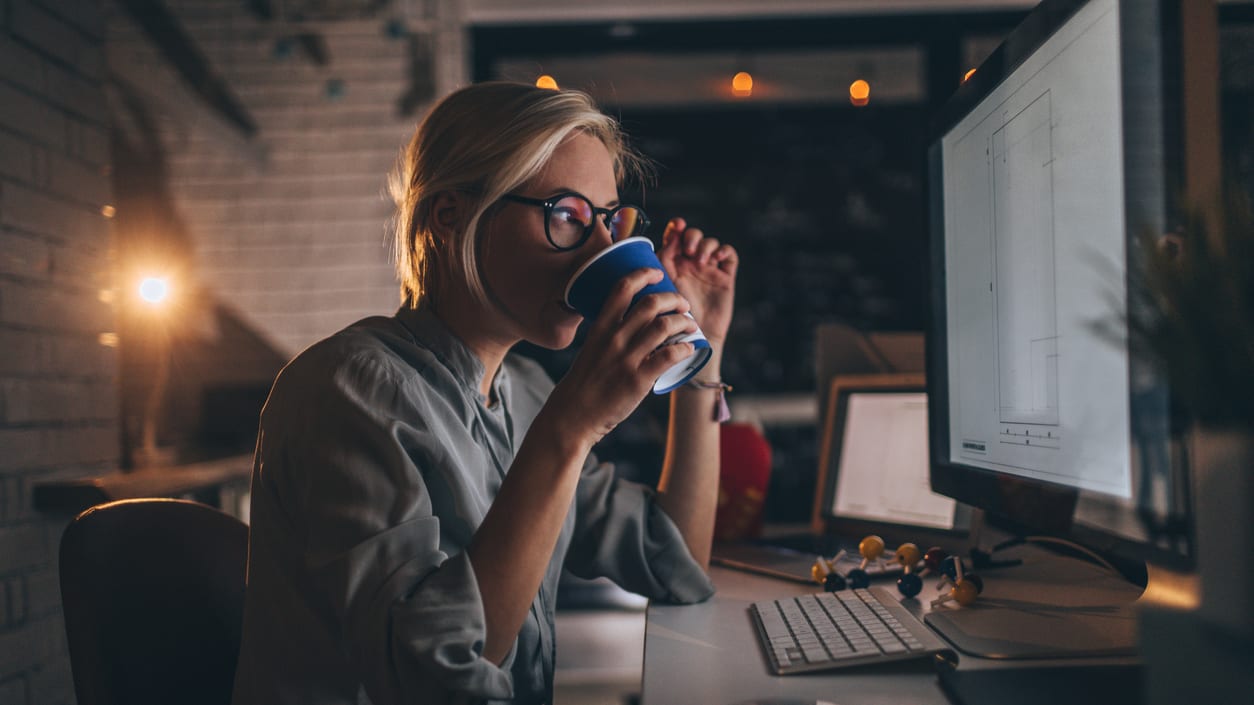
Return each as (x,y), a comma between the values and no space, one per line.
(742,85)
(154,290)
(859,92)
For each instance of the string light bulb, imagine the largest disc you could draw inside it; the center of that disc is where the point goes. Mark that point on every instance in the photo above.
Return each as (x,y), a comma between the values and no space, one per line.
(742,85)
(968,75)
(546,81)
(154,290)
(859,92)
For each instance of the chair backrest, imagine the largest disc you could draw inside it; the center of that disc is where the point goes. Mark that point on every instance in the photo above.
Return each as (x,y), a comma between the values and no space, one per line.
(153,595)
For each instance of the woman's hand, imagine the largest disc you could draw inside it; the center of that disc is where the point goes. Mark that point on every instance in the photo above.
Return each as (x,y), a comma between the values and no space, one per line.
(704,271)
(620,358)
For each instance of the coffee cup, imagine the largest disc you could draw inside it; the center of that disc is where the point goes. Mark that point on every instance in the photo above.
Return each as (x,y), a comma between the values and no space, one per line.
(591,286)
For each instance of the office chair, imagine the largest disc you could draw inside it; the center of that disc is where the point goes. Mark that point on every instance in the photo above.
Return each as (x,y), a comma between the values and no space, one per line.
(153,595)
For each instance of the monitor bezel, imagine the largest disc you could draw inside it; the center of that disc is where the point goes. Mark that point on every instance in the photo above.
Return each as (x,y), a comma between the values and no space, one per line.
(1150,103)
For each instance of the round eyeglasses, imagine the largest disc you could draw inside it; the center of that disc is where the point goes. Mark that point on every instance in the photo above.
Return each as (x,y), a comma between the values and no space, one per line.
(570,217)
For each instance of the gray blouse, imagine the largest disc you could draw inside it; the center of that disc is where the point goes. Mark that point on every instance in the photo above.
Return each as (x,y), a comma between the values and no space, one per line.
(376,461)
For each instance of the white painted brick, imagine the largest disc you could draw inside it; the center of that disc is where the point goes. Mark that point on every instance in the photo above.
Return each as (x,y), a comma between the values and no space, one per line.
(12,490)
(82,96)
(288,186)
(44,32)
(19,599)
(80,356)
(43,592)
(52,308)
(49,448)
(91,64)
(310,95)
(15,690)
(53,684)
(226,240)
(74,180)
(27,401)
(80,268)
(30,117)
(26,648)
(347,139)
(8,615)
(24,256)
(88,142)
(32,356)
(22,546)
(85,15)
(36,213)
(24,352)
(17,158)
(316,283)
(20,66)
(253,261)
(323,211)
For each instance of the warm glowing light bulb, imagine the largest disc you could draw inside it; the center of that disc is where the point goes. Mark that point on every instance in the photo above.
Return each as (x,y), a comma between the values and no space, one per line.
(742,85)
(154,290)
(546,81)
(859,92)
(968,75)
(108,211)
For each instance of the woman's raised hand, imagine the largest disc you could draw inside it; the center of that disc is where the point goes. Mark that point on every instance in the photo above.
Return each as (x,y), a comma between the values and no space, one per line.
(704,271)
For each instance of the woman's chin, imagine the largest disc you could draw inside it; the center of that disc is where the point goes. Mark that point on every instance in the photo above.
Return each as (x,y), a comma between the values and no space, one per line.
(558,337)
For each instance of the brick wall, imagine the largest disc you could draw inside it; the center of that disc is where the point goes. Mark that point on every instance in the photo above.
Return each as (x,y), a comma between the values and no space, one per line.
(288,228)
(285,231)
(58,399)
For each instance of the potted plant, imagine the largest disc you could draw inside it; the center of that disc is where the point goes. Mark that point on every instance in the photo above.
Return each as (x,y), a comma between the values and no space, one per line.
(1194,312)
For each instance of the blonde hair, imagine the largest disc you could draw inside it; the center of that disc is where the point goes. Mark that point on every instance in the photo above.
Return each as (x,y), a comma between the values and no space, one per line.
(484,141)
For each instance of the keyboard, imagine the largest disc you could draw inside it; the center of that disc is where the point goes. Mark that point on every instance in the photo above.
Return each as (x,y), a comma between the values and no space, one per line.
(831,630)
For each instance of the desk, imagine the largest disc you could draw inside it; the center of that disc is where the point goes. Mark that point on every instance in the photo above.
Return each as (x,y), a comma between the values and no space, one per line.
(708,654)
(205,481)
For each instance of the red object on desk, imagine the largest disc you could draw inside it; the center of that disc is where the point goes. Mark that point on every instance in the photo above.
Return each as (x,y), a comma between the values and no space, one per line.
(744,471)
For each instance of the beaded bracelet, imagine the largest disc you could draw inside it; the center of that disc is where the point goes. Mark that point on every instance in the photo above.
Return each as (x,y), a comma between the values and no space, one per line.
(721,412)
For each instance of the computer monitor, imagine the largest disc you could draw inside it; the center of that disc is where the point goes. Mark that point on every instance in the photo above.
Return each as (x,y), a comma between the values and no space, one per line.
(873,465)
(1045,169)
(842,349)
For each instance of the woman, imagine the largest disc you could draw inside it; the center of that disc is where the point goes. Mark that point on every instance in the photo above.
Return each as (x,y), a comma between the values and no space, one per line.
(417,489)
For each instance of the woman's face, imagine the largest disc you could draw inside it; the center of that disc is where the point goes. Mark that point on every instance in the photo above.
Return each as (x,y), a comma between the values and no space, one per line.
(524,275)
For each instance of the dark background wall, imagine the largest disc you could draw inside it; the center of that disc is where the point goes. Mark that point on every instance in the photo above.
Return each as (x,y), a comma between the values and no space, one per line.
(58,361)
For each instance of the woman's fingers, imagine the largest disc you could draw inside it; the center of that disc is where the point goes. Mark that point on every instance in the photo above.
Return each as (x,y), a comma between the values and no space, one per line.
(619,300)
(705,249)
(660,330)
(670,236)
(662,359)
(691,239)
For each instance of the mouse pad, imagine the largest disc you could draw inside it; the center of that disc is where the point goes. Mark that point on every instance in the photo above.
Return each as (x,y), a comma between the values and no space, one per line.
(1086,684)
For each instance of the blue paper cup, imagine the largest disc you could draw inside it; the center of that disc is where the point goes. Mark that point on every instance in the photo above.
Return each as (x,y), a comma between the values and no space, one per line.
(591,286)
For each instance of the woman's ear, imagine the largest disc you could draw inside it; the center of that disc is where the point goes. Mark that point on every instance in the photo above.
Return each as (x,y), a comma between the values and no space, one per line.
(448,213)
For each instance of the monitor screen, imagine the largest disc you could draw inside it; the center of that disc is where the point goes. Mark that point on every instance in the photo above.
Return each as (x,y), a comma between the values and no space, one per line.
(1045,171)
(882,474)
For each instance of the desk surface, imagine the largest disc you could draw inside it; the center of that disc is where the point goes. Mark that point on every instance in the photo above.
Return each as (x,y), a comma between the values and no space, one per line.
(708,654)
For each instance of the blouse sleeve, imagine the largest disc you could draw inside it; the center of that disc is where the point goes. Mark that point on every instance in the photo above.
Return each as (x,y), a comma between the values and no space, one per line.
(621,533)
(349,482)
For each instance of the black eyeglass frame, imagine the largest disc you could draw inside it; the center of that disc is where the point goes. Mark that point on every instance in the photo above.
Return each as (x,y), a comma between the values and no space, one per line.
(606,214)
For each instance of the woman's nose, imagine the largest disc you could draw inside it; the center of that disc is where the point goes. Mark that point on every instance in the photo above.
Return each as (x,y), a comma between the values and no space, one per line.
(601,235)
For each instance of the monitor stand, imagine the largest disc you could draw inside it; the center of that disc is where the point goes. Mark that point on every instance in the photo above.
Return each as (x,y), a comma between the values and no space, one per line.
(1049,606)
